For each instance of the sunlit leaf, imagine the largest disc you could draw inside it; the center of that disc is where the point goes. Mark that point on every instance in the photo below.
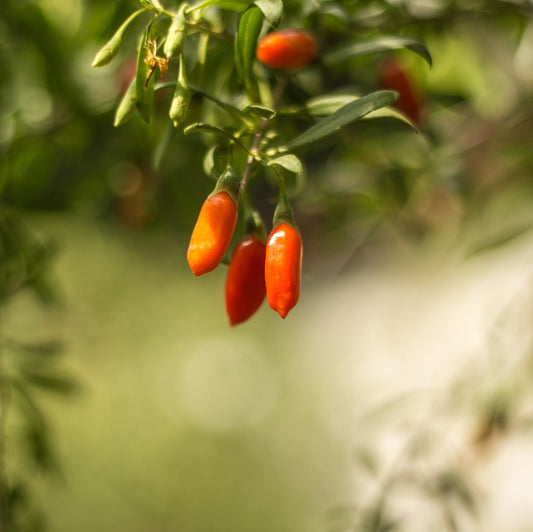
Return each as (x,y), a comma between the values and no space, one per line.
(232,5)
(375,46)
(288,161)
(345,115)
(272,9)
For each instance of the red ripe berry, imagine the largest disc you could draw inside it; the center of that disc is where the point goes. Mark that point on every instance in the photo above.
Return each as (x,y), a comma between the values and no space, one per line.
(283,266)
(287,49)
(212,233)
(393,77)
(245,282)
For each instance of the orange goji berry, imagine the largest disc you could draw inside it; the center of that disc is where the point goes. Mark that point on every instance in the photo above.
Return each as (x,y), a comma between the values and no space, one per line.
(283,266)
(245,282)
(212,233)
(393,77)
(286,49)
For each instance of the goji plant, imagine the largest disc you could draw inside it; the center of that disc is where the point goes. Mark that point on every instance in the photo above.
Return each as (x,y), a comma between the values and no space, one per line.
(256,129)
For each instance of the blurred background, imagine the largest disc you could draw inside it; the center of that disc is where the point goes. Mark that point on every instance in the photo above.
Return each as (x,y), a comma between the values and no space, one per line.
(395,396)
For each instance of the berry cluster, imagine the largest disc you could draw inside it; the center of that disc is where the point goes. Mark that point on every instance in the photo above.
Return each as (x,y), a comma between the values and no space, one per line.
(259,266)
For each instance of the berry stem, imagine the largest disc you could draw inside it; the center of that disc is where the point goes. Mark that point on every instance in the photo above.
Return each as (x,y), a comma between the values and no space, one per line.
(261,130)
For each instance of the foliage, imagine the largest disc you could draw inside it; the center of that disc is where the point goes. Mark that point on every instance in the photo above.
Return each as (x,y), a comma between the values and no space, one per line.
(328,137)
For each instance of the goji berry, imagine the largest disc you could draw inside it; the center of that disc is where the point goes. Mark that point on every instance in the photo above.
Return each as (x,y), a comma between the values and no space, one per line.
(283,265)
(287,49)
(393,77)
(212,233)
(245,282)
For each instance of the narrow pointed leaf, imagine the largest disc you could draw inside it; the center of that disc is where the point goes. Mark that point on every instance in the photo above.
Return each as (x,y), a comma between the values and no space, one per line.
(248,31)
(272,9)
(345,115)
(110,49)
(235,111)
(375,46)
(328,104)
(208,128)
(144,93)
(127,105)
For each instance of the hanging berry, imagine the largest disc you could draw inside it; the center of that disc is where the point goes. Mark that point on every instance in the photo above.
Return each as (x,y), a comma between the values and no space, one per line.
(393,77)
(283,260)
(288,49)
(215,225)
(245,282)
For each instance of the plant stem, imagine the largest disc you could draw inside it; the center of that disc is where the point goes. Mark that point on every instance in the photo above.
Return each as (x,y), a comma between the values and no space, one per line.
(263,124)
(3,477)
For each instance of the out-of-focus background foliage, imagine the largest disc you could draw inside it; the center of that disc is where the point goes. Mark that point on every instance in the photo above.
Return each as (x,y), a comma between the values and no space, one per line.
(397,394)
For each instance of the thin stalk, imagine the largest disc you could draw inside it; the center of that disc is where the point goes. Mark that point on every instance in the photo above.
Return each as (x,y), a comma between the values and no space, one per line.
(3,476)
(263,124)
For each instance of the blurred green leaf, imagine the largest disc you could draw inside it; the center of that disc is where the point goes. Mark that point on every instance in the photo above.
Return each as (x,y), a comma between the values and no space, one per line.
(260,111)
(272,9)
(51,348)
(200,127)
(375,46)
(232,5)
(346,114)
(109,51)
(501,239)
(163,144)
(53,383)
(330,103)
(249,28)
(453,483)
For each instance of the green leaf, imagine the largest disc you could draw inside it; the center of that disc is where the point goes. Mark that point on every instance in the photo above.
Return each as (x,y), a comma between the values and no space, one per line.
(208,128)
(272,9)
(50,348)
(328,104)
(216,161)
(232,5)
(261,111)
(162,145)
(235,111)
(250,23)
(110,49)
(288,161)
(375,46)
(144,92)
(53,383)
(389,112)
(127,105)
(346,114)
